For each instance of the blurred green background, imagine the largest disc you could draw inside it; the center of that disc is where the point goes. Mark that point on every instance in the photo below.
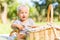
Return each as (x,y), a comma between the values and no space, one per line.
(38,12)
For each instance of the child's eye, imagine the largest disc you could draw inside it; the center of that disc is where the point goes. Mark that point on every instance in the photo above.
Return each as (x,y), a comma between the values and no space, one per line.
(22,12)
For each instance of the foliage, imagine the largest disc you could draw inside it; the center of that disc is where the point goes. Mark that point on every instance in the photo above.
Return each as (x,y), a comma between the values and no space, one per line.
(41,7)
(12,13)
(38,11)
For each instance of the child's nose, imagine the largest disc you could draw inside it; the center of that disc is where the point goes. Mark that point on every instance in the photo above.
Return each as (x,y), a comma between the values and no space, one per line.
(24,13)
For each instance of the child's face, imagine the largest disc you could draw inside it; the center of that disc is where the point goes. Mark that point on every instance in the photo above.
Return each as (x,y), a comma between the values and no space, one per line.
(23,14)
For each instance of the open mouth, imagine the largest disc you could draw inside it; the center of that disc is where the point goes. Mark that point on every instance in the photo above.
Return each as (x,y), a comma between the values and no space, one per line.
(23,16)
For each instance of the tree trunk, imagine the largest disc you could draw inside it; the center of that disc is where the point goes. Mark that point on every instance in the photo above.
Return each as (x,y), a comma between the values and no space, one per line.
(4,14)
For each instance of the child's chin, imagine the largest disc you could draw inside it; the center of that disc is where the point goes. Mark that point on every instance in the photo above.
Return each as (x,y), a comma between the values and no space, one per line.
(24,19)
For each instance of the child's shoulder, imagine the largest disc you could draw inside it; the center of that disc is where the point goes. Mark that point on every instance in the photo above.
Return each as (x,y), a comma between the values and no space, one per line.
(17,20)
(30,19)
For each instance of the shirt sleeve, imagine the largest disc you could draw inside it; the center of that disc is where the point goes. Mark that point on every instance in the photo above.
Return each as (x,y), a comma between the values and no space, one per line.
(32,22)
(17,22)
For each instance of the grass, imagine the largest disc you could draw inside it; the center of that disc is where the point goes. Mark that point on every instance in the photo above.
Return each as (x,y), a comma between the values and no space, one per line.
(6,28)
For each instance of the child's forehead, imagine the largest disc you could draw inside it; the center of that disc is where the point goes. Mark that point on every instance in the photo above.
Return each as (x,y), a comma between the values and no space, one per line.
(23,7)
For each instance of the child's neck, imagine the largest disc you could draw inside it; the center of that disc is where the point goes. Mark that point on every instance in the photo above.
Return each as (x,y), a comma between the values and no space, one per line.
(24,21)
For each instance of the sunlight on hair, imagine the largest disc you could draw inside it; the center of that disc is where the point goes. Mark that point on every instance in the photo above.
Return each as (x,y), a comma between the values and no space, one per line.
(21,7)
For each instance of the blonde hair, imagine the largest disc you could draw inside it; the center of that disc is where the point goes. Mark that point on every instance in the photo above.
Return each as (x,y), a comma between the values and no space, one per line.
(22,6)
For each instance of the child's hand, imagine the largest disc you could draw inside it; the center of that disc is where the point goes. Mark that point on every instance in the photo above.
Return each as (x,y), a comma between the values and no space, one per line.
(33,26)
(20,27)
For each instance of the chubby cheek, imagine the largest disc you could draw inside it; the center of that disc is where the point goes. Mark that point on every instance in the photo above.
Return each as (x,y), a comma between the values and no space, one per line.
(27,15)
(21,15)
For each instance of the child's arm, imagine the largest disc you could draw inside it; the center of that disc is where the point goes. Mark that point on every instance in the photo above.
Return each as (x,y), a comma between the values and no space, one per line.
(33,26)
(20,27)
